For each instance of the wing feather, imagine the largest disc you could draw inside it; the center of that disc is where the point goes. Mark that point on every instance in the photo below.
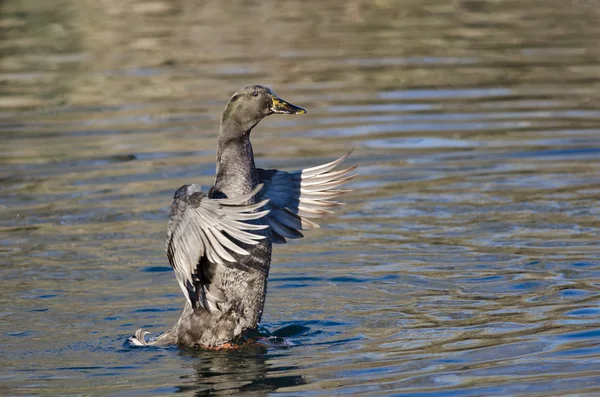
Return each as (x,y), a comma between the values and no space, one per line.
(298,195)
(202,227)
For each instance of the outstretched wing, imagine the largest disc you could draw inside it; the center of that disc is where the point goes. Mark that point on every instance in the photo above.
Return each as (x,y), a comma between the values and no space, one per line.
(298,195)
(201,228)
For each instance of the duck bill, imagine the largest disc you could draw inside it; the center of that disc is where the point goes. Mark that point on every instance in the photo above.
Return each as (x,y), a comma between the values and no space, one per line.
(283,107)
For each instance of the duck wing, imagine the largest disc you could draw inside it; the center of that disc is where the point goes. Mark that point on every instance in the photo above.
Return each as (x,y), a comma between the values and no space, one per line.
(203,229)
(298,195)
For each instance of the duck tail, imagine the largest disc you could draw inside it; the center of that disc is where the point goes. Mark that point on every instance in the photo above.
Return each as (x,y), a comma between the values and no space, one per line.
(139,338)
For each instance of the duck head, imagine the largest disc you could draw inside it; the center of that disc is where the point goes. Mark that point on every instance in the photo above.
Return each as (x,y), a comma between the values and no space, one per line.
(249,106)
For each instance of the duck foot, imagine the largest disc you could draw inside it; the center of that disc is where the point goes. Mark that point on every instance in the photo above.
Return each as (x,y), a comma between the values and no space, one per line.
(225,346)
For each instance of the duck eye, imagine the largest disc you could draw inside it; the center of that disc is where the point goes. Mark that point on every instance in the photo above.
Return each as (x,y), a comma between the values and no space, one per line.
(255,93)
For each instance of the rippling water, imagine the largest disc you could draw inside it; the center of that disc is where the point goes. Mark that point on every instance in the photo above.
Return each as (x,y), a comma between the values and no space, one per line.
(465,262)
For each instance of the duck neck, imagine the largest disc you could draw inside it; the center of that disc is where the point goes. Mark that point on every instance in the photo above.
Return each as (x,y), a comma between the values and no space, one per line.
(236,172)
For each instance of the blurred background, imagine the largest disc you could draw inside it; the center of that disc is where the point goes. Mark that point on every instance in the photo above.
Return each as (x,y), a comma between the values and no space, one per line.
(465,262)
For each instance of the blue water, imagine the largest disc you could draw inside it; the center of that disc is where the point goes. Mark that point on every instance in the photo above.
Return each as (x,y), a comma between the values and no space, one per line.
(464,263)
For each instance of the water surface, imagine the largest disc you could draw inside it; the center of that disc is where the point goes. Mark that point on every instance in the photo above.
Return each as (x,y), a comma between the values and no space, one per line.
(464,263)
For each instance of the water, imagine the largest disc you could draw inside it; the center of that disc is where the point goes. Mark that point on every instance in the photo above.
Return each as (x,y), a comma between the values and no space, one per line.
(465,262)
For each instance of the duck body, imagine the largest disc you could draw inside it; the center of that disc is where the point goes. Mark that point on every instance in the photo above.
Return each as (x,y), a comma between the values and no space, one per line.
(220,244)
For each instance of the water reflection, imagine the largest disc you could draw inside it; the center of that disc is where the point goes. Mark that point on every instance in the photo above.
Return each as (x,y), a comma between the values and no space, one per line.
(243,371)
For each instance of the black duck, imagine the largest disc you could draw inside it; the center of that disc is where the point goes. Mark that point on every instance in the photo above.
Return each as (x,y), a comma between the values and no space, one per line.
(219,244)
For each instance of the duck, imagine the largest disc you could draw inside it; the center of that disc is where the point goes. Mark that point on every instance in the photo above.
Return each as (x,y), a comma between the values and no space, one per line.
(219,243)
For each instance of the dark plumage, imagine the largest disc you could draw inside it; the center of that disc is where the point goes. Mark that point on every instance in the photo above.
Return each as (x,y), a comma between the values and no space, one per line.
(219,244)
